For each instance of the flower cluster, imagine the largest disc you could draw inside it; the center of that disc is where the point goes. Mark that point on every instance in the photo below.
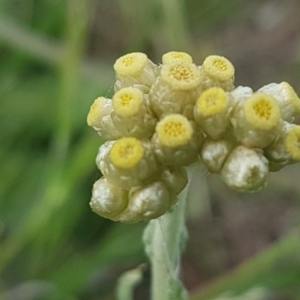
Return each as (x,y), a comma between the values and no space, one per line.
(168,116)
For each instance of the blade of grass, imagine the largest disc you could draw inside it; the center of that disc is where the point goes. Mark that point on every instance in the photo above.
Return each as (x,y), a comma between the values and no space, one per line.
(121,246)
(50,51)
(54,194)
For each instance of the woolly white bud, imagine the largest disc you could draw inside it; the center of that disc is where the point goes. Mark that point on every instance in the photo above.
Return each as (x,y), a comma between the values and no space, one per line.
(212,111)
(214,152)
(135,68)
(176,142)
(286,98)
(131,115)
(99,118)
(175,179)
(176,90)
(245,170)
(257,122)
(217,71)
(127,162)
(107,200)
(146,203)
(286,149)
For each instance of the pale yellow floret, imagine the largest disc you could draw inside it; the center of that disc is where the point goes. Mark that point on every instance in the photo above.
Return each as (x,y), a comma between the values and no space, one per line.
(174,56)
(127,152)
(292,142)
(291,95)
(218,67)
(95,114)
(130,64)
(174,130)
(127,101)
(262,111)
(181,76)
(211,102)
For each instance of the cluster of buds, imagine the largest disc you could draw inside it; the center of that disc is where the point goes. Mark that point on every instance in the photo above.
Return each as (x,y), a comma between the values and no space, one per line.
(165,117)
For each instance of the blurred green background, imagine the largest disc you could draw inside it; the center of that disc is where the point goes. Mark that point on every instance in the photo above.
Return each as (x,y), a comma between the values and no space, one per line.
(56,57)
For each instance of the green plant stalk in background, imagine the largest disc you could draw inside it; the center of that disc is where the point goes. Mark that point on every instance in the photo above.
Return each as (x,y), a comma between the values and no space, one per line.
(127,282)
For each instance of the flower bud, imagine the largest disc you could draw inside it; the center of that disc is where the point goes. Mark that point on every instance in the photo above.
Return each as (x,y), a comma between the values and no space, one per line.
(127,162)
(99,118)
(245,170)
(176,142)
(176,57)
(257,122)
(286,97)
(286,149)
(214,152)
(212,112)
(146,203)
(241,94)
(107,200)
(131,115)
(217,71)
(135,68)
(292,143)
(176,90)
(175,179)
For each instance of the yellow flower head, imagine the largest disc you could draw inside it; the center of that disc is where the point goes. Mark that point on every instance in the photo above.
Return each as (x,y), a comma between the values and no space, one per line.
(96,112)
(292,142)
(181,76)
(211,101)
(127,152)
(174,56)
(130,64)
(218,68)
(127,101)
(174,130)
(262,111)
(291,95)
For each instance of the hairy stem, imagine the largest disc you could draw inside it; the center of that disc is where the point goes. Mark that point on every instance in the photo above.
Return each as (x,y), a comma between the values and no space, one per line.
(164,240)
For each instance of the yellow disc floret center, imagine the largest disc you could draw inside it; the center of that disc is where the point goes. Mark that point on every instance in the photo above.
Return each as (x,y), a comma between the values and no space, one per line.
(262,111)
(127,152)
(181,73)
(212,101)
(130,64)
(174,130)
(174,56)
(128,61)
(127,101)
(182,76)
(292,142)
(218,67)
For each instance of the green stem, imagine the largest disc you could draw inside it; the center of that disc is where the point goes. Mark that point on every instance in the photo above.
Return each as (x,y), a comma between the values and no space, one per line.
(164,240)
(166,261)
